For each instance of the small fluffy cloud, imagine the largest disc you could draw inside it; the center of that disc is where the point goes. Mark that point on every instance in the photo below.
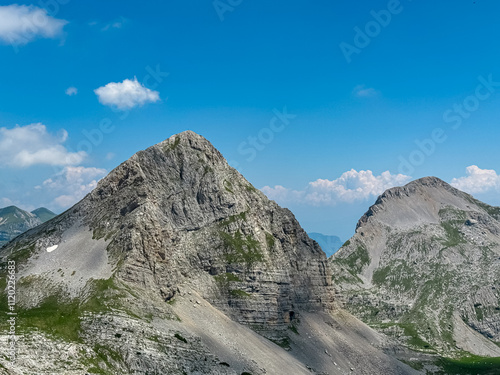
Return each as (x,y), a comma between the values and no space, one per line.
(351,186)
(127,94)
(21,24)
(72,184)
(361,91)
(24,146)
(477,180)
(70,91)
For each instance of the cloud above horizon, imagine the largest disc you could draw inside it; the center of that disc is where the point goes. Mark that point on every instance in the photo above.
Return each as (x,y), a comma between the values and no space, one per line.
(72,184)
(25,146)
(21,24)
(361,91)
(477,180)
(351,186)
(126,95)
(70,91)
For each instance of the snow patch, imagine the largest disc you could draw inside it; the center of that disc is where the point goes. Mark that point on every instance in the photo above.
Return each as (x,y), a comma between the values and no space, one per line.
(52,248)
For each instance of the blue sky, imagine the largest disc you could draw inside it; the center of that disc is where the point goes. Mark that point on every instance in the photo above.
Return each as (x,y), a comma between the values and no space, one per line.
(296,95)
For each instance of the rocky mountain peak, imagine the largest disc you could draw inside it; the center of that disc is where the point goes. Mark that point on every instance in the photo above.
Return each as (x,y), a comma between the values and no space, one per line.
(176,215)
(426,258)
(418,201)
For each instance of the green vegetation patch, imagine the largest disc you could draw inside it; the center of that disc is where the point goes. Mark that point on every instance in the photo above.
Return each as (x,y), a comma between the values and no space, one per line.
(470,365)
(60,317)
(228,186)
(270,241)
(453,236)
(172,146)
(283,342)
(241,249)
(242,216)
(250,188)
(355,261)
(347,243)
(414,340)
(395,275)
(237,293)
(226,277)
(451,213)
(293,328)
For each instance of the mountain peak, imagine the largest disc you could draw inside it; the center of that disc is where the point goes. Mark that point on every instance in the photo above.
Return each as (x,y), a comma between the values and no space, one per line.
(176,215)
(14,221)
(44,214)
(418,246)
(418,201)
(187,138)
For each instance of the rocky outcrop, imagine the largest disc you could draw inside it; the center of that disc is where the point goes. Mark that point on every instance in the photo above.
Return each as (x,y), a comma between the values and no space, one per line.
(424,267)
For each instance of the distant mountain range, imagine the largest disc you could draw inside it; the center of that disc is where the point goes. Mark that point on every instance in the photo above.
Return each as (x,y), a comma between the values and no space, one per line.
(329,244)
(14,221)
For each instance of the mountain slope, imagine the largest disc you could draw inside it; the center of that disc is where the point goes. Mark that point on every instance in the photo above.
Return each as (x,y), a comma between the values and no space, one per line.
(176,264)
(14,221)
(424,266)
(329,244)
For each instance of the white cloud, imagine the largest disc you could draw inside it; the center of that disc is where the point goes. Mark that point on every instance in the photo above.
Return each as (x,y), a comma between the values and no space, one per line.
(70,91)
(351,186)
(72,184)
(21,24)
(126,94)
(361,91)
(477,180)
(118,24)
(24,146)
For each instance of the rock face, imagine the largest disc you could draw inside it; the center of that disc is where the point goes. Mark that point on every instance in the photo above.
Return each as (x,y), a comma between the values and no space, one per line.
(424,266)
(329,244)
(176,264)
(192,219)
(14,221)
